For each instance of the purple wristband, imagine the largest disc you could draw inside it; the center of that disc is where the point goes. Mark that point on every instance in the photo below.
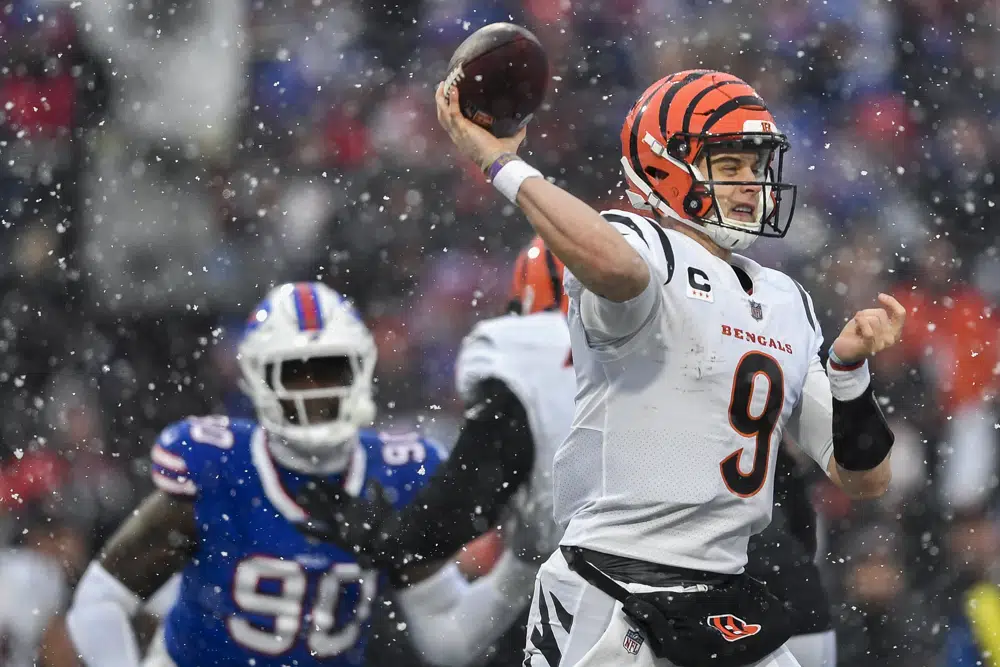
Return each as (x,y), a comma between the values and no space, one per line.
(499,163)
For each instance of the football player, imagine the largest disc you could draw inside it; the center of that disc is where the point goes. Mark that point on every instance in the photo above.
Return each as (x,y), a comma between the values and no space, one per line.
(256,590)
(692,362)
(515,374)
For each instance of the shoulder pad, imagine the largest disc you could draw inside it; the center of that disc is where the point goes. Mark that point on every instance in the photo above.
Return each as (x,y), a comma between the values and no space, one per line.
(190,455)
(401,462)
(655,245)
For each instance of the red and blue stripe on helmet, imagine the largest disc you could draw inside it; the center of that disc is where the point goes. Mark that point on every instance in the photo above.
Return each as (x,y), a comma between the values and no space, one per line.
(307,307)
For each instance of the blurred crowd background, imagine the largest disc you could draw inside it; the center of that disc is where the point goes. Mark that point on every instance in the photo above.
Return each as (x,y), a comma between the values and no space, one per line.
(162,163)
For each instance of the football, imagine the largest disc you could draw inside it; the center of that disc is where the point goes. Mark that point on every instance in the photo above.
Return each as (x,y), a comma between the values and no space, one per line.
(502,74)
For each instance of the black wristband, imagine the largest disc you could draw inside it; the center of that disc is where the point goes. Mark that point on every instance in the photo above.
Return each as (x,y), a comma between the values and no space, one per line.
(861,436)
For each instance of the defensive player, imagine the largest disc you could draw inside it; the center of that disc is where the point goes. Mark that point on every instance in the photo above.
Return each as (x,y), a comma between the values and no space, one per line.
(254,589)
(692,362)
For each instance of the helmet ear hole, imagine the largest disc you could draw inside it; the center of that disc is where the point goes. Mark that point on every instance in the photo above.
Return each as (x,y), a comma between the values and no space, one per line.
(653,172)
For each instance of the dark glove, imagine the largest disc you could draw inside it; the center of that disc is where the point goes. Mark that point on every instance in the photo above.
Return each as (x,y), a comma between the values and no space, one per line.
(352,523)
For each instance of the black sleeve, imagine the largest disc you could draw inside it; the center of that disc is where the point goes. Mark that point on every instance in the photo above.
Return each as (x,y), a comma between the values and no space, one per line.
(861,436)
(493,456)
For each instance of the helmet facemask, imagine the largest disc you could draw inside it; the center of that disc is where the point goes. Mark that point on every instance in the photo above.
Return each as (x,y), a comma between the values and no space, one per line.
(771,209)
(315,404)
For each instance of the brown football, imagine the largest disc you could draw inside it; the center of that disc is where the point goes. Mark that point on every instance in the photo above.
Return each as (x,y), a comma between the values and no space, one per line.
(502,74)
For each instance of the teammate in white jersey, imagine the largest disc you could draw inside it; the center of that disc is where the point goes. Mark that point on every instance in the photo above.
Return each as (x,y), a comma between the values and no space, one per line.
(692,363)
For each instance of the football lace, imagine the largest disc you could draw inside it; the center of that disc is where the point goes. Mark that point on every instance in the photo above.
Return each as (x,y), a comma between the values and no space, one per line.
(453,78)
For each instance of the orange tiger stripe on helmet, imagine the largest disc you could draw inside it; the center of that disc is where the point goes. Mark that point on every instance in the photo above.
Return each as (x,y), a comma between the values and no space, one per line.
(537,284)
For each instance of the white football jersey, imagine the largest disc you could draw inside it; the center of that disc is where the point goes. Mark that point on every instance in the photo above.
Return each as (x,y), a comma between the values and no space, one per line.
(530,354)
(34,591)
(671,455)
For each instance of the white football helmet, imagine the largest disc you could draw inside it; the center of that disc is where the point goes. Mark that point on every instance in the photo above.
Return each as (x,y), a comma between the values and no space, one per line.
(299,323)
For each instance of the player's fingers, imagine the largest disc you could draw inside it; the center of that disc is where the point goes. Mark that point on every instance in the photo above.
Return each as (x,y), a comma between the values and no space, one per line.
(897,313)
(440,103)
(453,102)
(865,328)
(884,328)
(521,134)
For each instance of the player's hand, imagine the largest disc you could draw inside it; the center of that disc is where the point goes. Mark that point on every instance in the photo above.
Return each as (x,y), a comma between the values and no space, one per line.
(471,140)
(870,331)
(352,523)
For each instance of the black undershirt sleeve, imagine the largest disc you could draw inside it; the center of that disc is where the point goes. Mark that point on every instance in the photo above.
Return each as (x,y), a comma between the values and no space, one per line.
(493,456)
(861,436)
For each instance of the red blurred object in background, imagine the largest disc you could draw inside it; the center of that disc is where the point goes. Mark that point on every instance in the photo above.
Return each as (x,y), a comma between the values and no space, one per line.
(38,106)
(30,478)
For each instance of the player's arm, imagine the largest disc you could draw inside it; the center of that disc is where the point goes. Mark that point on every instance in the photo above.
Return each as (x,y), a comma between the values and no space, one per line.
(592,250)
(56,649)
(603,261)
(490,461)
(451,621)
(462,499)
(843,429)
(842,403)
(153,544)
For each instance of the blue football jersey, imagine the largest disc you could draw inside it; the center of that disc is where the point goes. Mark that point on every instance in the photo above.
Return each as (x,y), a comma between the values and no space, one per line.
(257,592)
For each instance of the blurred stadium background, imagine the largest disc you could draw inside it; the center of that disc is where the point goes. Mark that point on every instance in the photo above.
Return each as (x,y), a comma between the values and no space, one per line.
(164,162)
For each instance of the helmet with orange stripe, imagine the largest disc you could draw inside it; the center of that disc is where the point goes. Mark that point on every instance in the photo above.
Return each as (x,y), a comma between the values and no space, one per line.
(307,362)
(700,147)
(538,281)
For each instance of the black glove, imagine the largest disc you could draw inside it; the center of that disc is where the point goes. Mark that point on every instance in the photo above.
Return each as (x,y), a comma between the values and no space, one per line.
(352,523)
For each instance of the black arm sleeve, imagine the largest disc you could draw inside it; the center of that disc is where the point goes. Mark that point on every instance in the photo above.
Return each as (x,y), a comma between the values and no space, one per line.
(493,456)
(861,437)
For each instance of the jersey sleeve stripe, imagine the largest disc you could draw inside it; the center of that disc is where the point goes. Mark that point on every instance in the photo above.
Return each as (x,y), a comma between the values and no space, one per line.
(668,251)
(169,461)
(614,218)
(805,304)
(174,486)
(554,279)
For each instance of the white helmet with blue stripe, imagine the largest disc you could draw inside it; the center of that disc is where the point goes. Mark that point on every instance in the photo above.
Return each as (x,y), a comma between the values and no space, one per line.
(307,361)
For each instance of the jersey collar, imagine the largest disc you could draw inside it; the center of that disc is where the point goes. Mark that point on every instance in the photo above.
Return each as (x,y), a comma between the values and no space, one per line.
(267,471)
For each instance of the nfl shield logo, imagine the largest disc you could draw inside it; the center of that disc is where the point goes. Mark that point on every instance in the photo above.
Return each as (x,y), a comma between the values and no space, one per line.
(633,641)
(756,311)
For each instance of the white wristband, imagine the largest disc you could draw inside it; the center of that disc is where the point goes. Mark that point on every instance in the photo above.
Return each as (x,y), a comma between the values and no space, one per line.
(846,385)
(510,177)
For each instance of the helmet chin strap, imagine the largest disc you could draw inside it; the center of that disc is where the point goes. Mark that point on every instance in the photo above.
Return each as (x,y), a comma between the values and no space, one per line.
(327,461)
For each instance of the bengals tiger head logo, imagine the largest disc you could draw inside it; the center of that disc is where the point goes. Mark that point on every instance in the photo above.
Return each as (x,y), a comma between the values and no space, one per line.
(733,628)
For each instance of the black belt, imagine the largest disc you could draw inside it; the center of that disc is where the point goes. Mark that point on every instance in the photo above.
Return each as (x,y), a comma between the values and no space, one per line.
(606,570)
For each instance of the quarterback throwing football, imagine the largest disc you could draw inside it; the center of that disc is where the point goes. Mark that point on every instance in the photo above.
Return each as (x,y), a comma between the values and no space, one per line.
(692,363)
